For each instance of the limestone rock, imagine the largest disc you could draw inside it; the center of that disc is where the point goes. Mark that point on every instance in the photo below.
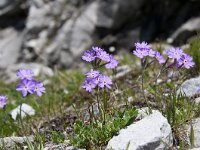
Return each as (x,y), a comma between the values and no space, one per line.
(189,87)
(152,133)
(10,46)
(25,110)
(10,142)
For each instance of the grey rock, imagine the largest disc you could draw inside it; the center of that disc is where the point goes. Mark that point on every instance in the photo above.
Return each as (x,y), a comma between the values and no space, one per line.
(144,112)
(10,46)
(189,87)
(9,6)
(152,133)
(61,146)
(185,31)
(10,142)
(24,110)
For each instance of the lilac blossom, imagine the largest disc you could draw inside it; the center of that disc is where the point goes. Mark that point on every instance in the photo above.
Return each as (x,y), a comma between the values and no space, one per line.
(142,49)
(97,49)
(3,101)
(103,55)
(105,81)
(92,73)
(25,74)
(160,58)
(185,61)
(175,53)
(89,55)
(142,46)
(112,64)
(89,84)
(39,88)
(26,87)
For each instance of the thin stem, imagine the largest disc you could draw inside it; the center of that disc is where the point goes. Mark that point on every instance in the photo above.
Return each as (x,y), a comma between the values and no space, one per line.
(20,114)
(98,103)
(161,70)
(104,106)
(143,91)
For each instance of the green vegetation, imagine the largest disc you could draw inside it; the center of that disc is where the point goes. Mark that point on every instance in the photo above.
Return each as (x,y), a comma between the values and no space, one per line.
(95,135)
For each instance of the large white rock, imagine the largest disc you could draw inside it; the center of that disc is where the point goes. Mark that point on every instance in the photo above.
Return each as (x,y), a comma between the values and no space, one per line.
(25,110)
(151,133)
(190,87)
(11,142)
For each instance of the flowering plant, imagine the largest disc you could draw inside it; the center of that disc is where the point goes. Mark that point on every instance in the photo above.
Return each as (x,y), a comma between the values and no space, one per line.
(98,58)
(176,59)
(28,84)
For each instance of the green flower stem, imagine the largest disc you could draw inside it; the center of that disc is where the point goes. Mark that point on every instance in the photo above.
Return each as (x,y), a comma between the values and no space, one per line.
(143,61)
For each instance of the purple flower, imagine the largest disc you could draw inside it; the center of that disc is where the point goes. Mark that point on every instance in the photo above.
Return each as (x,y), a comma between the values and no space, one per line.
(105,81)
(142,46)
(25,74)
(101,54)
(175,53)
(142,49)
(97,49)
(112,64)
(140,53)
(89,55)
(185,61)
(89,84)
(152,53)
(160,58)
(39,88)
(92,73)
(3,100)
(26,86)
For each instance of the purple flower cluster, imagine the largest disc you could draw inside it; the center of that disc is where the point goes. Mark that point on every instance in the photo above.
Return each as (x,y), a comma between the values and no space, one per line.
(181,59)
(94,78)
(98,55)
(3,101)
(143,49)
(28,84)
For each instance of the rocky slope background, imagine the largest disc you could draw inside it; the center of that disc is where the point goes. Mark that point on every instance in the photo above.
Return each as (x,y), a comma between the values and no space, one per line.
(56,32)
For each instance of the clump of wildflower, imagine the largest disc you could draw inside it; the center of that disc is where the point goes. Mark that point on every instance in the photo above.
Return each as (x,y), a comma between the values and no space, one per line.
(99,58)
(28,85)
(3,101)
(174,53)
(185,61)
(181,60)
(25,74)
(142,49)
